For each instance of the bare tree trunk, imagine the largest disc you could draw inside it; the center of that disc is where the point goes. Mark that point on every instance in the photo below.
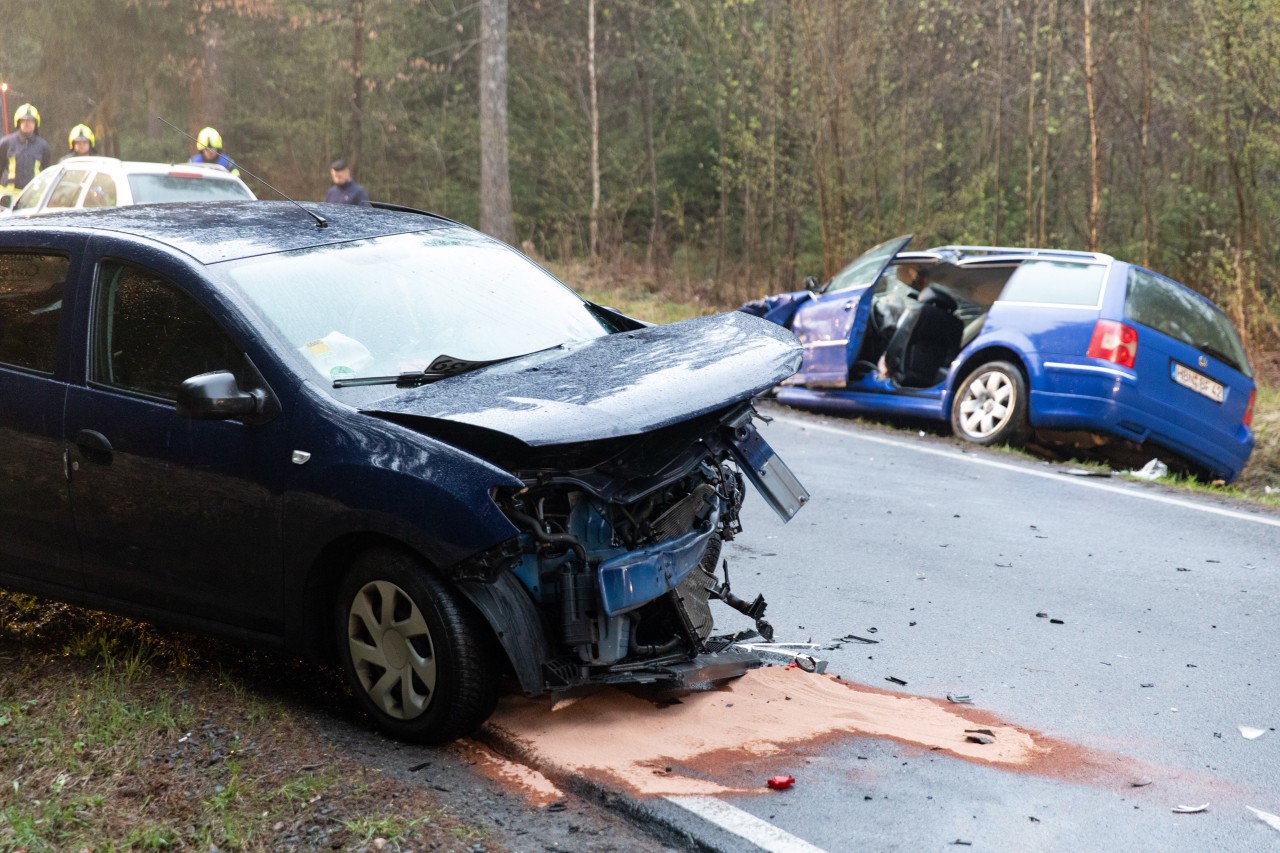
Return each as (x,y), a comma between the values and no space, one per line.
(1144,133)
(1095,176)
(651,150)
(1028,204)
(496,216)
(999,125)
(594,234)
(1042,217)
(357,83)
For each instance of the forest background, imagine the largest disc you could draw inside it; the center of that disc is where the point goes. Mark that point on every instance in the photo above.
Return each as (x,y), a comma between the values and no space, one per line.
(721,149)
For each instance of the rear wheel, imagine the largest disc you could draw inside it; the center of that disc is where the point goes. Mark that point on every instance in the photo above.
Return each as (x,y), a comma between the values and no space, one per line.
(419,659)
(990,405)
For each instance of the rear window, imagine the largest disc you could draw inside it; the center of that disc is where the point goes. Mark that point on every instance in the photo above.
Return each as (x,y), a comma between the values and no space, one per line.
(160,188)
(1056,283)
(1163,305)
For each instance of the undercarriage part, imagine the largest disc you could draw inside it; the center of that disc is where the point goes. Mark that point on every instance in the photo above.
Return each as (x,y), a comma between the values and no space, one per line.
(754,610)
(692,596)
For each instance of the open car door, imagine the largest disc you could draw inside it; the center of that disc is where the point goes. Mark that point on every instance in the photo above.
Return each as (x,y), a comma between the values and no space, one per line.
(830,327)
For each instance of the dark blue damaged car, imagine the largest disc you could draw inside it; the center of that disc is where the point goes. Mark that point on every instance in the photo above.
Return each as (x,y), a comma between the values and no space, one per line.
(380,437)
(1081,349)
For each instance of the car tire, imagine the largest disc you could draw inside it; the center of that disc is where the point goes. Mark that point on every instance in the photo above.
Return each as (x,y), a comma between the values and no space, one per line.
(990,405)
(419,659)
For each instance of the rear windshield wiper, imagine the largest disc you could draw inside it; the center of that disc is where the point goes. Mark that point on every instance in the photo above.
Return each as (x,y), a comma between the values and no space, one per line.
(1210,349)
(441,367)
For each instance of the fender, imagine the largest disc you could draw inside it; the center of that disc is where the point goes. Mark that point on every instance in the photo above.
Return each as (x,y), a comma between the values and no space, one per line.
(515,622)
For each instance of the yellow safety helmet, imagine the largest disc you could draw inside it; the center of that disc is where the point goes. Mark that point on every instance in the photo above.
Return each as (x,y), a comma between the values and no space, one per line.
(80,131)
(26,111)
(209,138)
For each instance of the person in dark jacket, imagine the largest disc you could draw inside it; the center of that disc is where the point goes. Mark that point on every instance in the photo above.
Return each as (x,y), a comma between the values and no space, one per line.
(345,190)
(24,152)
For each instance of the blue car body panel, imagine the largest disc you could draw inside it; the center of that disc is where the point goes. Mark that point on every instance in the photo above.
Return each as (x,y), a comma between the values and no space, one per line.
(1068,390)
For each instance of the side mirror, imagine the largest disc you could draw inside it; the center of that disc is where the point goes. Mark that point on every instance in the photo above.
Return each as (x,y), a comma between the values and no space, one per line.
(217,396)
(811,283)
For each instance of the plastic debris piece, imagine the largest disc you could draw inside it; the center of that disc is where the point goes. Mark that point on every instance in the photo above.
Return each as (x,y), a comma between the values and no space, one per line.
(895,680)
(1042,615)
(1139,783)
(962,842)
(558,806)
(1147,684)
(1190,809)
(1251,733)
(1085,472)
(959,698)
(781,783)
(1266,817)
(1153,470)
(983,739)
(1056,622)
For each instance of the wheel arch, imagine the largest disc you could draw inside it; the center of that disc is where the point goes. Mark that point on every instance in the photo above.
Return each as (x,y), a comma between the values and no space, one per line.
(978,358)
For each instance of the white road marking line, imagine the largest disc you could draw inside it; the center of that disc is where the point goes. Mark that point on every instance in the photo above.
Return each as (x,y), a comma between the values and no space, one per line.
(745,825)
(1056,476)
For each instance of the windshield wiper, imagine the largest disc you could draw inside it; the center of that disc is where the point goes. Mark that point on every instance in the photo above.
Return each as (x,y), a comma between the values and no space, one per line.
(1210,349)
(441,367)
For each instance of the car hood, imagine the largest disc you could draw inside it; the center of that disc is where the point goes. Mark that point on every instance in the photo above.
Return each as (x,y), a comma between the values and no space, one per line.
(622,384)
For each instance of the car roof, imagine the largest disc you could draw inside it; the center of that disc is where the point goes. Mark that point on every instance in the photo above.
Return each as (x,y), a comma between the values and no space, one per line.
(142,167)
(1006,254)
(212,232)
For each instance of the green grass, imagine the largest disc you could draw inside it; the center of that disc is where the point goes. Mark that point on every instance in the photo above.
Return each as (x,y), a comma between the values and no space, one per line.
(114,737)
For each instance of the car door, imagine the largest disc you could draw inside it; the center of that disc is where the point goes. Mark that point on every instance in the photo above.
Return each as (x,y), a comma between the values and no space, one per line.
(37,537)
(830,327)
(172,513)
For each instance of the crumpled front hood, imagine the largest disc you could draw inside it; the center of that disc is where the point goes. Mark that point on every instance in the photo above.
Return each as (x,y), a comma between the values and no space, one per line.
(626,383)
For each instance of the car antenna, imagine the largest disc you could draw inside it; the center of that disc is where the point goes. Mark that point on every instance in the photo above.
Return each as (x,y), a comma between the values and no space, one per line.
(321,222)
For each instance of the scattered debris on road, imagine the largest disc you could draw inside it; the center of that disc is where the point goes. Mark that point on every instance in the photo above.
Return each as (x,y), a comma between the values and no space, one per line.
(781,783)
(1190,809)
(959,698)
(1153,470)
(1139,783)
(1266,817)
(1250,732)
(1056,622)
(1085,472)
(895,680)
(983,736)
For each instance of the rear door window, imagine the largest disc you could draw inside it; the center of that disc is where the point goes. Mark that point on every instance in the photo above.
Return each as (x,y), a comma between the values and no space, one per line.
(102,191)
(1158,303)
(1047,282)
(31,288)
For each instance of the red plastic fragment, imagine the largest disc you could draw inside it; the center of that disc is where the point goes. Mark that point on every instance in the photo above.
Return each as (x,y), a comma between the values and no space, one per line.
(781,783)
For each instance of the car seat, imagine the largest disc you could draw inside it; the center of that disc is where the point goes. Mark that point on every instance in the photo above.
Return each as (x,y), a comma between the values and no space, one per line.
(925,341)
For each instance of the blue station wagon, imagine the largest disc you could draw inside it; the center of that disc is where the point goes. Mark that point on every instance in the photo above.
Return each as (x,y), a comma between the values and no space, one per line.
(380,437)
(1001,342)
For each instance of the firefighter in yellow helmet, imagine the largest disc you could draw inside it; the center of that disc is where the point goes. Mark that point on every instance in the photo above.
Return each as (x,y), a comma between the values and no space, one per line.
(24,152)
(209,150)
(81,142)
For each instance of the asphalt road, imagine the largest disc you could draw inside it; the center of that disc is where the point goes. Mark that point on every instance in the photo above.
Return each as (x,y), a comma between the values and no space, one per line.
(1167,643)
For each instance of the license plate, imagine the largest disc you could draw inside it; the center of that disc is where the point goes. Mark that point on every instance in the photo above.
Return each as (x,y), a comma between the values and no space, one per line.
(1198,382)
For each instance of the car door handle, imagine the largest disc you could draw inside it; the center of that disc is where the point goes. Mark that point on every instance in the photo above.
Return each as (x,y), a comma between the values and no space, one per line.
(848,306)
(94,446)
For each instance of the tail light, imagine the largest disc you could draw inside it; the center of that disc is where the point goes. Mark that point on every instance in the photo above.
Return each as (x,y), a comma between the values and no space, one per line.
(1248,410)
(1114,342)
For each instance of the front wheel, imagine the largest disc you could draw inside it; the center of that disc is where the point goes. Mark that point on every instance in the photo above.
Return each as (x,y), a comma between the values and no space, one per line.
(419,659)
(990,405)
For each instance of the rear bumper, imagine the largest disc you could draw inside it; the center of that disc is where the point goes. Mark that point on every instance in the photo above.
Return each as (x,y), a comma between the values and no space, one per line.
(1105,399)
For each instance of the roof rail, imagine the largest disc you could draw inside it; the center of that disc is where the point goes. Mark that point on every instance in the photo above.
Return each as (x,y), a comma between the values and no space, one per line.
(1015,250)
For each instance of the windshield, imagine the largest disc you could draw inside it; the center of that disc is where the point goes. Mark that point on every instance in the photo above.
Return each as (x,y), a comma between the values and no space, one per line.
(392,305)
(159,188)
